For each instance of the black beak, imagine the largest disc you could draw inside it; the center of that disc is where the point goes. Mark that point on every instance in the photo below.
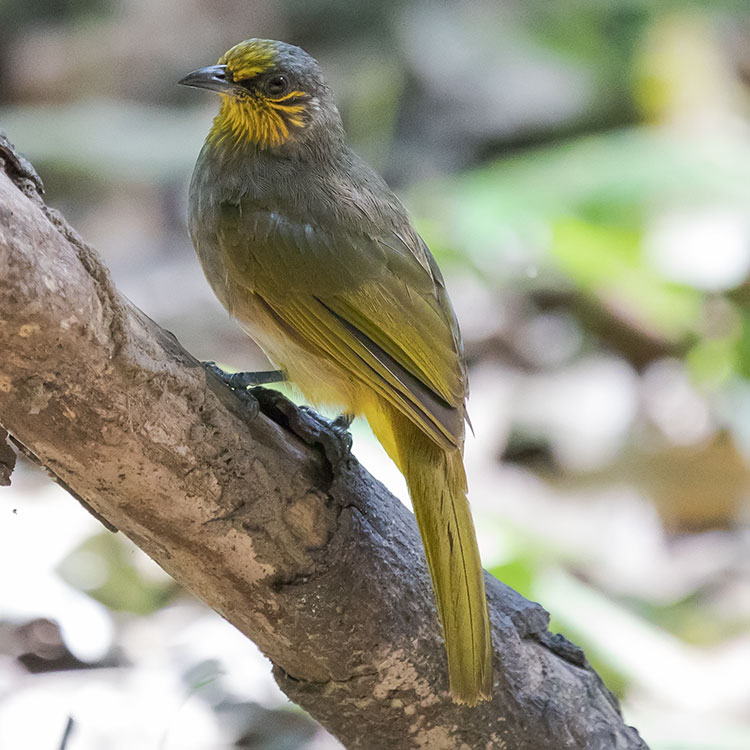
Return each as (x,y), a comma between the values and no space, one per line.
(214,78)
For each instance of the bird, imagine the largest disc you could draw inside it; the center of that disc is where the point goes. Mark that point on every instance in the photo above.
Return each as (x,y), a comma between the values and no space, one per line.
(311,252)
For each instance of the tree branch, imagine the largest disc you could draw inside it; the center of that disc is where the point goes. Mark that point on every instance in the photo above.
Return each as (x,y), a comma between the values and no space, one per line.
(267,519)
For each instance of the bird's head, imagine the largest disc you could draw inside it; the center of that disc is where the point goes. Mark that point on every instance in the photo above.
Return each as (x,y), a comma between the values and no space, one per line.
(273,94)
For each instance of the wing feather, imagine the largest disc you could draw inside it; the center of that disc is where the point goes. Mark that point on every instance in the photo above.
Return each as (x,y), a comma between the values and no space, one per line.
(375,305)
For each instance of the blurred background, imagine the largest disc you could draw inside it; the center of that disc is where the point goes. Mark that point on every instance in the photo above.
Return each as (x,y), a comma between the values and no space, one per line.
(581,171)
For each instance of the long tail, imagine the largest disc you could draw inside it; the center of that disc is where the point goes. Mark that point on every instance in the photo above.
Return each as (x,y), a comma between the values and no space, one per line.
(437,485)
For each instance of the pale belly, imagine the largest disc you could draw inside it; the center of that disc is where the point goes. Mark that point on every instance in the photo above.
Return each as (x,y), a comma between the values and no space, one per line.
(321,381)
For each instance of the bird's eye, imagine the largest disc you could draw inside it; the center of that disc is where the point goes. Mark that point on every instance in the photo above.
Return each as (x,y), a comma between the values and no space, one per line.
(276,85)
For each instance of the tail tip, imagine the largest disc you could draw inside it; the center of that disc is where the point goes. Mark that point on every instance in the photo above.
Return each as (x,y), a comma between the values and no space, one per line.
(470,698)
(472,692)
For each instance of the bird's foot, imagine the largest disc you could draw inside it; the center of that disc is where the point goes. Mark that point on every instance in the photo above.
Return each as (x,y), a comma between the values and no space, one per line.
(332,436)
(340,427)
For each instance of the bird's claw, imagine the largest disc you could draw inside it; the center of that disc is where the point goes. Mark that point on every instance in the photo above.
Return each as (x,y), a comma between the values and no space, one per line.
(340,427)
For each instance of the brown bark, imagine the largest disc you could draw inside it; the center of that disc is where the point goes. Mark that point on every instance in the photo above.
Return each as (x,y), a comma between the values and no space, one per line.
(267,518)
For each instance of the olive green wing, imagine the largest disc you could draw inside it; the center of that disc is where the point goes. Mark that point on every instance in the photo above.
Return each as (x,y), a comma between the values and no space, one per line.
(376,305)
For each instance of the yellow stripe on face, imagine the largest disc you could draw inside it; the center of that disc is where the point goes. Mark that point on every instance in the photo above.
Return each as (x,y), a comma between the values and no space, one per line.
(291,109)
(290,95)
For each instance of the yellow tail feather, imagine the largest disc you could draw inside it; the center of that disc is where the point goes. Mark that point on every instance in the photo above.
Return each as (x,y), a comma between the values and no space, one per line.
(437,486)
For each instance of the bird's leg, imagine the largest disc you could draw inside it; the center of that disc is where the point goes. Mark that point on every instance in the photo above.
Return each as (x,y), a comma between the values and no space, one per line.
(242,380)
(251,379)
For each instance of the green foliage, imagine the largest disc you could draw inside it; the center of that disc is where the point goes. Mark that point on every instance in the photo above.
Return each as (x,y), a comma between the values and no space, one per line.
(102,566)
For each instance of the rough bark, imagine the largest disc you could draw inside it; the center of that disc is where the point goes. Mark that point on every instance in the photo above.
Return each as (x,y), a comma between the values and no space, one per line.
(265,517)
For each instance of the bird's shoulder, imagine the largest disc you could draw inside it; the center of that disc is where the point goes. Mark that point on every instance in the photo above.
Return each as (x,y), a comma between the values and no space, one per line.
(341,216)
